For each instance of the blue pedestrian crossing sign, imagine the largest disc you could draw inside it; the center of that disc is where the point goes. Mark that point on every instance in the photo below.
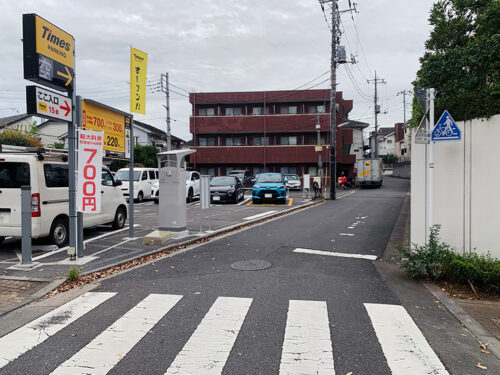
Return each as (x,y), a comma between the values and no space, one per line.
(446,129)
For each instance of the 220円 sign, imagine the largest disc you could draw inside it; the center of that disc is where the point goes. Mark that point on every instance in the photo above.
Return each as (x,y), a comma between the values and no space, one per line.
(99,118)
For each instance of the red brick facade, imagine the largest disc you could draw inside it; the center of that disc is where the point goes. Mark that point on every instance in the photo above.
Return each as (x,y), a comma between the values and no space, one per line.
(229,130)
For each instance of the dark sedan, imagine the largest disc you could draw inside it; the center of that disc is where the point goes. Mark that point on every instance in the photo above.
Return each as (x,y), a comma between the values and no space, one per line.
(226,189)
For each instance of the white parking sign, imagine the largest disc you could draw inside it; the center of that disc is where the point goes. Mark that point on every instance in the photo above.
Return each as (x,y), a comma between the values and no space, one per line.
(88,192)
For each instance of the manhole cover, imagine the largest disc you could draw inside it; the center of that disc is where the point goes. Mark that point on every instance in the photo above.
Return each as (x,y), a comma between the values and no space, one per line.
(251,265)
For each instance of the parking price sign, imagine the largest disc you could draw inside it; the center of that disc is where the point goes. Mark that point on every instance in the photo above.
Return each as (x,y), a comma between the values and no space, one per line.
(88,191)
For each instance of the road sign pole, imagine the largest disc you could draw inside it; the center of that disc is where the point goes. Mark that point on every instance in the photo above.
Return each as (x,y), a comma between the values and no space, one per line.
(79,243)
(72,186)
(26,224)
(431,163)
(131,182)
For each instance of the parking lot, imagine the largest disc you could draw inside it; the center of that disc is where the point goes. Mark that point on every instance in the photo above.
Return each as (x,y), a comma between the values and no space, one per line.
(199,222)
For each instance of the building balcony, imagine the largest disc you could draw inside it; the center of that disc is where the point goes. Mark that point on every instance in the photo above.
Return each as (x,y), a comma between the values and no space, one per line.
(259,124)
(270,154)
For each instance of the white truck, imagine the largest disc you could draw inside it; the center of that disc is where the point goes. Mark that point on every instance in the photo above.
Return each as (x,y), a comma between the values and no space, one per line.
(369,172)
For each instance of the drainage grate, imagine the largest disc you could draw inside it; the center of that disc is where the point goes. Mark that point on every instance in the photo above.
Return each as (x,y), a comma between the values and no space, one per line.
(251,265)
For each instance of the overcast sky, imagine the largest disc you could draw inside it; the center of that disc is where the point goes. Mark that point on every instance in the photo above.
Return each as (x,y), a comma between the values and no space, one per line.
(223,45)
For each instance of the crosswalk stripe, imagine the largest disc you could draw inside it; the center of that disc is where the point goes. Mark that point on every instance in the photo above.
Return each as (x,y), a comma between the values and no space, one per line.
(208,348)
(119,338)
(307,348)
(404,346)
(34,333)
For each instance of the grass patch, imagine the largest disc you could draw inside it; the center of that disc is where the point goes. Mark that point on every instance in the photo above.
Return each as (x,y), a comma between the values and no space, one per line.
(436,260)
(73,274)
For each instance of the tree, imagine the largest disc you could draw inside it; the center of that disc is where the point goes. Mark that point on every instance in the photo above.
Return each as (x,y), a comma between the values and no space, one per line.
(146,155)
(18,138)
(462,59)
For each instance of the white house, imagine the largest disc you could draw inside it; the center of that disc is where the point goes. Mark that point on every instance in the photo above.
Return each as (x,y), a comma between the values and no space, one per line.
(386,143)
(17,122)
(357,136)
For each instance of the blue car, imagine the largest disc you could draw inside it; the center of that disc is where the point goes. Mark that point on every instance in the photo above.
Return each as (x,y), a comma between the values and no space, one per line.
(269,187)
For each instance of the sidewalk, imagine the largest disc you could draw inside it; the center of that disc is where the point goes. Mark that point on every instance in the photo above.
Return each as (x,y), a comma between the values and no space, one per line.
(481,318)
(19,287)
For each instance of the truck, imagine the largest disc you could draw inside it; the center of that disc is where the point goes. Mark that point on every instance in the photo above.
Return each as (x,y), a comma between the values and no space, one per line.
(369,172)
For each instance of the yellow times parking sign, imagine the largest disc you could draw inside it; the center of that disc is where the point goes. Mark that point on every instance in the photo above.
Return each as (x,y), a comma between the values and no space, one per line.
(101,119)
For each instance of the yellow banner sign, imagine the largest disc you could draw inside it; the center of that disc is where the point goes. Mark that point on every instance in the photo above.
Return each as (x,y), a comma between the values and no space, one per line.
(138,66)
(54,43)
(113,124)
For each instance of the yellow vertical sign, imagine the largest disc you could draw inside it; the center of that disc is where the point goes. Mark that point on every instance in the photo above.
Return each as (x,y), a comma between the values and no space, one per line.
(138,66)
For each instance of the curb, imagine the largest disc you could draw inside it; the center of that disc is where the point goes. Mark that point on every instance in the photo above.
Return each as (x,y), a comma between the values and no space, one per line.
(463,317)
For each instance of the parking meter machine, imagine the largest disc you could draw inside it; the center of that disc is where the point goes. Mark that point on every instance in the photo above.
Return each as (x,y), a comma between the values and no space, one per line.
(172,196)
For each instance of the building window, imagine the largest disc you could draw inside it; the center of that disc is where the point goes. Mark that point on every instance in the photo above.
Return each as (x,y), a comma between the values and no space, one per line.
(288,110)
(389,141)
(207,171)
(260,141)
(206,112)
(313,171)
(288,140)
(233,111)
(288,170)
(257,110)
(206,141)
(234,141)
(317,109)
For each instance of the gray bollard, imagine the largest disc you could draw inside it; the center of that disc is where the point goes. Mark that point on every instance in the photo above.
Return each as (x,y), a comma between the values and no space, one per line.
(26,225)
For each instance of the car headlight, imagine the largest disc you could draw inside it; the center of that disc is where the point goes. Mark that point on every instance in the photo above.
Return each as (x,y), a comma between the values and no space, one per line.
(230,191)
(281,187)
(256,186)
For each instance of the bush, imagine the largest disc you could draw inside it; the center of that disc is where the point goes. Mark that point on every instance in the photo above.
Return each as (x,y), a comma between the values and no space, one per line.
(18,138)
(388,159)
(437,260)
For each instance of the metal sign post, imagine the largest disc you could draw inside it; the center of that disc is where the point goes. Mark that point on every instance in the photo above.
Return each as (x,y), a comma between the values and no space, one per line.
(131,181)
(26,225)
(205,199)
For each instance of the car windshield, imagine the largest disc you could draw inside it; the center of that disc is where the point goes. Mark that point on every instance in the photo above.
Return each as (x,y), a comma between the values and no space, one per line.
(240,175)
(292,177)
(264,178)
(222,181)
(123,175)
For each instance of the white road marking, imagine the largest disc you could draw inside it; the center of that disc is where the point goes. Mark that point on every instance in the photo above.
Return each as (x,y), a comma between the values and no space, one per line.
(244,201)
(34,333)
(347,234)
(86,241)
(350,227)
(207,350)
(404,346)
(307,347)
(334,254)
(107,349)
(259,215)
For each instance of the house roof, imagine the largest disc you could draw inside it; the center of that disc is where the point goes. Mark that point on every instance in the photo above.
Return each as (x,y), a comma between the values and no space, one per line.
(5,121)
(386,130)
(353,124)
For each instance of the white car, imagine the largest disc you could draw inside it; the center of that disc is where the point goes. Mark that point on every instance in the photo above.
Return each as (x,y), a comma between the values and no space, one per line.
(47,174)
(192,187)
(144,179)
(293,182)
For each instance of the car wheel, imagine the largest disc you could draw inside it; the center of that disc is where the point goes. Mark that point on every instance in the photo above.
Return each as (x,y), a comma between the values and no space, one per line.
(59,232)
(120,217)
(140,197)
(2,239)
(157,200)
(255,201)
(190,195)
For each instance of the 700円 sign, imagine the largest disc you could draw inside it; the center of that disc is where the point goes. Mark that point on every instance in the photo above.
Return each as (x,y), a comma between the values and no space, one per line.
(88,191)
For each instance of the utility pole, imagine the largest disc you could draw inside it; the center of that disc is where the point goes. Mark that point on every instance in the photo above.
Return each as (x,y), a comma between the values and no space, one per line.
(404,93)
(377,111)
(165,89)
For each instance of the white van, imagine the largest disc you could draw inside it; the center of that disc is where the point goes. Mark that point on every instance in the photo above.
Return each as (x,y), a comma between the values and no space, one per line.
(144,178)
(47,173)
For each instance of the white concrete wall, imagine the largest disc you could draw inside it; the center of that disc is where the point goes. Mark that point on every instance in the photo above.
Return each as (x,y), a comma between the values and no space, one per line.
(466,181)
(357,143)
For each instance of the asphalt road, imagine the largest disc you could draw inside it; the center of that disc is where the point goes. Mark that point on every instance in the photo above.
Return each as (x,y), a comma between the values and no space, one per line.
(192,313)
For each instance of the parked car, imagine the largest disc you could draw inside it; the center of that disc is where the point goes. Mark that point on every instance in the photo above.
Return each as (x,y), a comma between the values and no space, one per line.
(192,187)
(144,178)
(244,176)
(269,186)
(226,189)
(293,182)
(47,174)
